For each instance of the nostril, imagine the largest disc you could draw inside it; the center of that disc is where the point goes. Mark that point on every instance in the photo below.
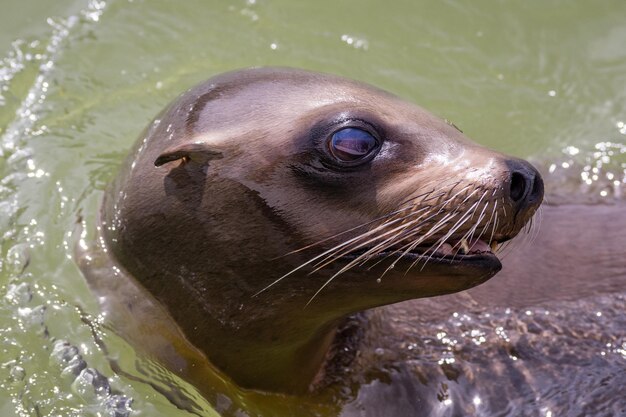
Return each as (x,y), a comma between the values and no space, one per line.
(518,186)
(525,186)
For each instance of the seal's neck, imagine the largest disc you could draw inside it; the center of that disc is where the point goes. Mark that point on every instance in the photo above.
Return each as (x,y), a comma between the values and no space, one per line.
(277,353)
(281,366)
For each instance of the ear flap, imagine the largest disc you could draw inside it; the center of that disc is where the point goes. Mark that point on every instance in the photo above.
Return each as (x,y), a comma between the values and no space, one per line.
(198,152)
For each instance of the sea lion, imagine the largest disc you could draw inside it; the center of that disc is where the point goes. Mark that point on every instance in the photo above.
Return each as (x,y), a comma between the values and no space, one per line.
(264,206)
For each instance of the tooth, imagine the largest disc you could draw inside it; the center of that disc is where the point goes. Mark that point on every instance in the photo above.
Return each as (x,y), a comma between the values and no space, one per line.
(494,246)
(445,249)
(465,245)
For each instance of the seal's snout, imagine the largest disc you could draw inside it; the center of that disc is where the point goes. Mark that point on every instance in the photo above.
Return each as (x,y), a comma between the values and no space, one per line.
(525,185)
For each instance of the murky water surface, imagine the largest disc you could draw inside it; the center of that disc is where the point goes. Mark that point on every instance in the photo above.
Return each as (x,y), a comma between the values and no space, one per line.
(80,79)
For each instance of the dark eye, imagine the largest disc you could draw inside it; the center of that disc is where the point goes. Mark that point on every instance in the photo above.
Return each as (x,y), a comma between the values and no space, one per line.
(351,144)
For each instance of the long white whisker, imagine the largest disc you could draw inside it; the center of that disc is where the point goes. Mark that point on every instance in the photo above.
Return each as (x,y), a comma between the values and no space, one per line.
(331,257)
(388,242)
(495,225)
(467,216)
(363,257)
(386,216)
(377,249)
(341,245)
(307,263)
(412,245)
(469,236)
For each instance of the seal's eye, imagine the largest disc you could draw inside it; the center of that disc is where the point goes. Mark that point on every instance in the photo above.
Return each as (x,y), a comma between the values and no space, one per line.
(351,144)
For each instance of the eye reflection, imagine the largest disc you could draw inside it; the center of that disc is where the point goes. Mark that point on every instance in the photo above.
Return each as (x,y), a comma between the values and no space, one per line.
(351,144)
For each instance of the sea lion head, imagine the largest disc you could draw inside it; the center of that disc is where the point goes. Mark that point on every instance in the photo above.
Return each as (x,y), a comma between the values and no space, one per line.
(266,204)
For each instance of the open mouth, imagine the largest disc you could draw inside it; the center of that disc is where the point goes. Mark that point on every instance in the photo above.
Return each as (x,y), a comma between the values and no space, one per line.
(463,251)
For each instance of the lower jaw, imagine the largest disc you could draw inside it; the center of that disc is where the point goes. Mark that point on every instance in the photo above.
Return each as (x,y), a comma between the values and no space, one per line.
(449,259)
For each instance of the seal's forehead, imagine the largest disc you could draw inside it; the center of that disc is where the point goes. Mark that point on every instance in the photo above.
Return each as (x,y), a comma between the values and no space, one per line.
(269,77)
(262,102)
(265,93)
(295,87)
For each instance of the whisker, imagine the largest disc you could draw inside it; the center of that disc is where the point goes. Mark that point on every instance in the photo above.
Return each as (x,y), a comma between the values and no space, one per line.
(329,253)
(425,252)
(386,216)
(384,225)
(505,249)
(305,264)
(342,270)
(470,213)
(534,228)
(412,245)
(495,225)
(431,231)
(362,258)
(493,212)
(470,235)
(405,229)
(483,230)
(441,241)
(331,257)
(412,199)
(389,242)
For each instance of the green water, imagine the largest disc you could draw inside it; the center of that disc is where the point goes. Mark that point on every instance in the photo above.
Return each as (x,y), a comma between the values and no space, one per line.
(80,79)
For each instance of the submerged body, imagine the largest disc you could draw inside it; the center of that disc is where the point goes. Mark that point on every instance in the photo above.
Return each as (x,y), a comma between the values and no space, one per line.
(265,206)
